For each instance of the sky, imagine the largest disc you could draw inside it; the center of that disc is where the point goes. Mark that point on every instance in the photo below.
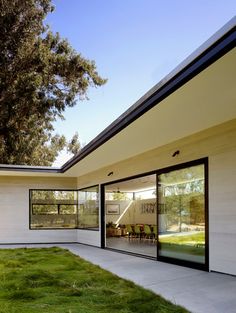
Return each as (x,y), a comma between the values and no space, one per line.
(135,43)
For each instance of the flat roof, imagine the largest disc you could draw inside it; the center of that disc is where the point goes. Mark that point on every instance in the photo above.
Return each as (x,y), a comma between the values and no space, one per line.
(213,49)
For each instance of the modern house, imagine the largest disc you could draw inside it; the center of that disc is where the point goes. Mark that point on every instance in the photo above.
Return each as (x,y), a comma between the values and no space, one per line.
(159,182)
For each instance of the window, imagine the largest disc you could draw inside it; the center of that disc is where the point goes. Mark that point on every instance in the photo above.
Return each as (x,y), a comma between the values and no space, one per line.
(88,210)
(182,233)
(53,209)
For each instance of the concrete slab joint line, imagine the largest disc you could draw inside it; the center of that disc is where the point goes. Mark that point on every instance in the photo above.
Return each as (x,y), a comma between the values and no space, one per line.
(197,291)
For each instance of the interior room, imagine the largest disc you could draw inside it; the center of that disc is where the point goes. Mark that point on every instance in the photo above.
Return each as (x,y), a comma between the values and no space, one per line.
(160,215)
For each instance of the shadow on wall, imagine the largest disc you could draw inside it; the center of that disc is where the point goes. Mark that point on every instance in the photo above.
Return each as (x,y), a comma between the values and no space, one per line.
(133,212)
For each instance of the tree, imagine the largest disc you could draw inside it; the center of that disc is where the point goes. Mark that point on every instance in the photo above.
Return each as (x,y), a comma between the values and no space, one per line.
(41,75)
(119,196)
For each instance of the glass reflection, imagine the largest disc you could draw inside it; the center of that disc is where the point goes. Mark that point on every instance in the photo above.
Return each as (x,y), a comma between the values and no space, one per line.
(88,209)
(182,214)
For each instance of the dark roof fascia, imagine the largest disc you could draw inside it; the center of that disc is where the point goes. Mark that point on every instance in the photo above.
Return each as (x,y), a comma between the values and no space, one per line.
(36,169)
(159,92)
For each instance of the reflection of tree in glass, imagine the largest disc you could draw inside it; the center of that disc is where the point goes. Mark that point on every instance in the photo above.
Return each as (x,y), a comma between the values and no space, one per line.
(119,196)
(54,195)
(186,208)
(190,174)
(54,201)
(185,188)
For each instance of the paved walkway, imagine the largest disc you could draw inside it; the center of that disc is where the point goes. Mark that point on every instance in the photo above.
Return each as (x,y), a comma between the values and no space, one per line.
(198,291)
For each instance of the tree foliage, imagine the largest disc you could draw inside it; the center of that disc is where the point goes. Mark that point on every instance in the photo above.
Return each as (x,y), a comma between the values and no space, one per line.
(41,75)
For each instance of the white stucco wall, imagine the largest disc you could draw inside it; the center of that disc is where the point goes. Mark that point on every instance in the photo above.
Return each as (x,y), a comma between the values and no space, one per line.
(89,237)
(14,210)
(222,212)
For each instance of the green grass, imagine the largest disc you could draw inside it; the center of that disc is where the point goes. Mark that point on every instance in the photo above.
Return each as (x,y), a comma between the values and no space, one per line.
(193,244)
(192,239)
(54,280)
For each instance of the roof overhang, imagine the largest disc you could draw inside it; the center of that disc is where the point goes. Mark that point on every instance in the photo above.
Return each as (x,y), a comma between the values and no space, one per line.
(27,170)
(207,100)
(198,94)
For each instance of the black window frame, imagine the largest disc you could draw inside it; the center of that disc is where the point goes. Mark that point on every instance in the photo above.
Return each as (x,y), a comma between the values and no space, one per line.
(191,264)
(58,209)
(58,205)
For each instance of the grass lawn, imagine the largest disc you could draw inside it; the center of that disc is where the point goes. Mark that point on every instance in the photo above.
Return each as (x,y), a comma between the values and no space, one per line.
(54,280)
(192,244)
(194,239)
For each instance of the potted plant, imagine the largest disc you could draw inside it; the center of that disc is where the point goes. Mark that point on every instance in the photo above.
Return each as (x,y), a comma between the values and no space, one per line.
(110,229)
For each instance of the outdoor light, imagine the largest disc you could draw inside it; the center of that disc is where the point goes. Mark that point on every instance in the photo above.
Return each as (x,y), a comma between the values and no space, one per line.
(175,153)
(110,174)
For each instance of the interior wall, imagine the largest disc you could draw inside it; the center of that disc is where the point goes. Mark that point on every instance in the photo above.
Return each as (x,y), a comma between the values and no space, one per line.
(134,214)
(123,204)
(14,210)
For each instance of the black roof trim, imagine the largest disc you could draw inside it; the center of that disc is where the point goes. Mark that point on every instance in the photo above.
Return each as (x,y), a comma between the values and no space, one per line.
(22,168)
(162,90)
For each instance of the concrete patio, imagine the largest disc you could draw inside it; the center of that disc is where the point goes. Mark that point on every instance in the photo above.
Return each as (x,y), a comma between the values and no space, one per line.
(198,291)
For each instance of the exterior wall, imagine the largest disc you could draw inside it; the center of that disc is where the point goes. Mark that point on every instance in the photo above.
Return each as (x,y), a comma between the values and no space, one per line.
(219,145)
(14,210)
(222,215)
(89,237)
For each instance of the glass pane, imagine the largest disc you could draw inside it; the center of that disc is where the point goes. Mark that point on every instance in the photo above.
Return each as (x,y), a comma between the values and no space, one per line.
(131,215)
(53,209)
(54,196)
(38,209)
(182,214)
(88,210)
(67,209)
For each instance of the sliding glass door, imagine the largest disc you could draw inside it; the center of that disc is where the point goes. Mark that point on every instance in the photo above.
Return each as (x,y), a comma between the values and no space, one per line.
(161,215)
(130,215)
(182,218)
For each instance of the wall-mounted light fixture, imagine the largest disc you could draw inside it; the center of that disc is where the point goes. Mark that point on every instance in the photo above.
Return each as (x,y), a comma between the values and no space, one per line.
(110,174)
(175,153)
